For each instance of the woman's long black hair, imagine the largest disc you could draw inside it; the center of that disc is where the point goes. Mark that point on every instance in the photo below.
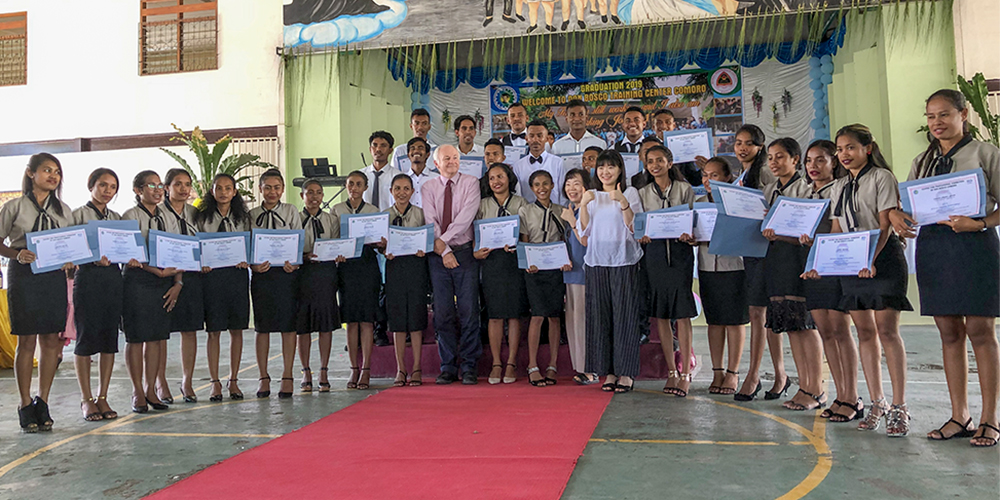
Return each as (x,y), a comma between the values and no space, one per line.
(614,158)
(27,184)
(757,138)
(957,101)
(237,208)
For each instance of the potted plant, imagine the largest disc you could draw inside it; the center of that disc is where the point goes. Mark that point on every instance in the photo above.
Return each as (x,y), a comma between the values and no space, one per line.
(976,94)
(212,163)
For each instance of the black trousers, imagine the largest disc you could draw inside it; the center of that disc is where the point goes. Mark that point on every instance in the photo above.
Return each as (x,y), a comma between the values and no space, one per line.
(508,6)
(612,328)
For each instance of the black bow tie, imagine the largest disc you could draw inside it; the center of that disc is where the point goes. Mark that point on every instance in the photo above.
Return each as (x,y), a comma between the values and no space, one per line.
(513,136)
(532,160)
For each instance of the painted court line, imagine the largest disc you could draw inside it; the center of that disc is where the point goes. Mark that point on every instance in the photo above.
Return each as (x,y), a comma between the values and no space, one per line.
(188,434)
(695,441)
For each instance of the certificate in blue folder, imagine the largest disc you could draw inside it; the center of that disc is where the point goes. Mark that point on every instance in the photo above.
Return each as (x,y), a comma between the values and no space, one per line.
(639,222)
(472,165)
(55,247)
(795,215)
(93,229)
(837,254)
(934,199)
(497,232)
(737,236)
(277,246)
(221,254)
(174,250)
(544,256)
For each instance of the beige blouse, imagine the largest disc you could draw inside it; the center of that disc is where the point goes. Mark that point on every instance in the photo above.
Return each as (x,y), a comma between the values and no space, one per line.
(322,226)
(182,223)
(282,216)
(678,193)
(216,223)
(975,154)
(489,208)
(412,216)
(543,224)
(861,199)
(18,217)
(89,212)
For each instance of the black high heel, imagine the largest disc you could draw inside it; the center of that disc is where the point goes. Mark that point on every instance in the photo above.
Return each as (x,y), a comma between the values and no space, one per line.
(26,415)
(364,386)
(187,399)
(324,386)
(282,394)
(267,393)
(714,389)
(42,414)
(215,398)
(768,395)
(748,397)
(729,390)
(234,395)
(157,406)
(140,409)
(306,386)
(859,412)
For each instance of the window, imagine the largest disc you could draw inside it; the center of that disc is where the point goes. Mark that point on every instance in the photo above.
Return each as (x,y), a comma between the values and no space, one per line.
(14,48)
(177,36)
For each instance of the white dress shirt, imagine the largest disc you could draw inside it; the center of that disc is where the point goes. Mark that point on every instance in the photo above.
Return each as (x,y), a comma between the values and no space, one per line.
(552,164)
(509,140)
(419,180)
(401,160)
(384,185)
(567,144)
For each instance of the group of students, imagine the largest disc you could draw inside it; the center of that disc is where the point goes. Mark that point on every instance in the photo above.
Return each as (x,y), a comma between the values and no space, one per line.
(612,283)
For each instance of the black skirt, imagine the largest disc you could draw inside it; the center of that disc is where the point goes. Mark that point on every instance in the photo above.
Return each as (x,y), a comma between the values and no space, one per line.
(958,273)
(546,293)
(97,309)
(359,285)
(318,311)
(788,316)
(504,293)
(407,282)
(144,319)
(724,297)
(783,267)
(887,290)
(670,279)
(37,302)
(275,300)
(756,289)
(227,299)
(824,293)
(188,314)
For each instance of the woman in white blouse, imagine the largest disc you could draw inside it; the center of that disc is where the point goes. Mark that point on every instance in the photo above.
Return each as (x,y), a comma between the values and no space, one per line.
(611,266)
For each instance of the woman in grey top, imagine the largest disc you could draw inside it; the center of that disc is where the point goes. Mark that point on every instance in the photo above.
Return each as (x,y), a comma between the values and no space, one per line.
(37,302)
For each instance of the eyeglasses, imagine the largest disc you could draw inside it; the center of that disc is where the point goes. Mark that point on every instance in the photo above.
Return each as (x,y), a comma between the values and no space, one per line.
(155,186)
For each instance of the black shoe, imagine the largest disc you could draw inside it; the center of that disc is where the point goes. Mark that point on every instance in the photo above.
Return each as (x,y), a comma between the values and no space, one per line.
(487,21)
(519,17)
(615,20)
(582,25)
(549,27)
(267,393)
(509,19)
(604,19)
(157,406)
(446,378)
(26,414)
(531,28)
(470,378)
(643,339)
(382,341)
(42,414)
(565,25)
(285,395)
(768,395)
(747,397)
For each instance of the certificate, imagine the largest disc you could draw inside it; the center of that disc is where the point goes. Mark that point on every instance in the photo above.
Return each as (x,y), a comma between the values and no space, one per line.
(669,223)
(514,153)
(277,246)
(843,254)
(741,202)
(410,240)
(544,256)
(174,250)
(55,247)
(370,227)
(404,164)
(118,240)
(704,221)
(219,250)
(794,217)
(632,165)
(935,199)
(472,165)
(571,161)
(327,250)
(686,145)
(497,232)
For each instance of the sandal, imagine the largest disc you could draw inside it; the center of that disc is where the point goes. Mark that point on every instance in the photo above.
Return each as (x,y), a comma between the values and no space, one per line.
(398,382)
(108,414)
(511,379)
(234,395)
(992,440)
(306,385)
(91,417)
(415,380)
(682,393)
(537,383)
(897,421)
(324,386)
(26,415)
(352,383)
(551,380)
(187,399)
(965,432)
(714,389)
(267,393)
(282,394)
(791,405)
(364,386)
(727,391)
(215,398)
(584,379)
(622,388)
(668,388)
(874,418)
(859,412)
(827,413)
(494,380)
(42,414)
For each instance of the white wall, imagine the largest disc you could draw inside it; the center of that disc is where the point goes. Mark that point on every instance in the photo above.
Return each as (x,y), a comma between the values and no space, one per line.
(977,37)
(83,76)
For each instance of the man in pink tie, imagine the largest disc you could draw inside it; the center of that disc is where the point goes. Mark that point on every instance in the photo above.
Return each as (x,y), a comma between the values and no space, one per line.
(450,203)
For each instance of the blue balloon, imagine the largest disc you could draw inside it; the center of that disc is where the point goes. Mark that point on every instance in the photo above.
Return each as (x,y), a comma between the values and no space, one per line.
(425,99)
(814,62)
(818,104)
(815,73)
(827,68)
(815,84)
(826,121)
(827,79)
(415,96)
(818,93)
(816,124)
(826,59)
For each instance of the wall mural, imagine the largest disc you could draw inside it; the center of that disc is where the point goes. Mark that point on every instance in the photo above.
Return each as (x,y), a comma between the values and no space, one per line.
(383,23)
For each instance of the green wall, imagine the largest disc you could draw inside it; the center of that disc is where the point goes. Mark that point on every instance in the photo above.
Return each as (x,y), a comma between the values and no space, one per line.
(333,102)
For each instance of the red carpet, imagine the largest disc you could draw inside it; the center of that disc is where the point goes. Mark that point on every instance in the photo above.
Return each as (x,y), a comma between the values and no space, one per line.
(468,442)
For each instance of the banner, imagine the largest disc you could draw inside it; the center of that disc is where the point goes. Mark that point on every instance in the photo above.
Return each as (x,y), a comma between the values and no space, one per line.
(697,98)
